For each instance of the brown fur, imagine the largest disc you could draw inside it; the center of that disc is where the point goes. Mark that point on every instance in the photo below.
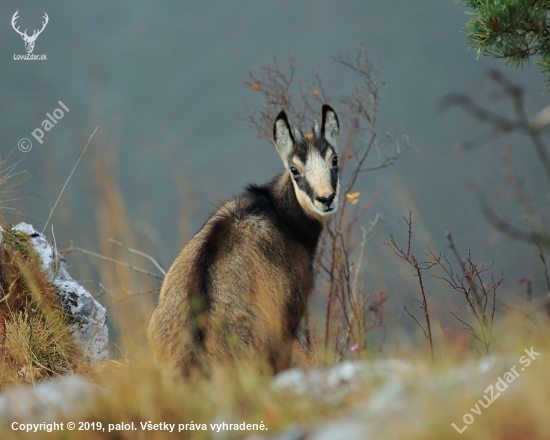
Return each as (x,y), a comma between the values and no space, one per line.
(239,288)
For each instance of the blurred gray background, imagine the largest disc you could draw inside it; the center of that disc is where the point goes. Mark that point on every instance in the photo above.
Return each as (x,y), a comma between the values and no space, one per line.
(165,83)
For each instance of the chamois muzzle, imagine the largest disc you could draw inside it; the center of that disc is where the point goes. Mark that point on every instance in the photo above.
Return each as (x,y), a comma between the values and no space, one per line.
(327,202)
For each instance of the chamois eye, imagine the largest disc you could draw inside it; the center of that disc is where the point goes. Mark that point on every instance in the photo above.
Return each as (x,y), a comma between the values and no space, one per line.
(334,161)
(294,170)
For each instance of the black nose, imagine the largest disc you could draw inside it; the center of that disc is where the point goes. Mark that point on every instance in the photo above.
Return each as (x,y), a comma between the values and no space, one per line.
(327,200)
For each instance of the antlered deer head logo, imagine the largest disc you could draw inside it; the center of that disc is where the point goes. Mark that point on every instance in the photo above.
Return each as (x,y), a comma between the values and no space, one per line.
(29,41)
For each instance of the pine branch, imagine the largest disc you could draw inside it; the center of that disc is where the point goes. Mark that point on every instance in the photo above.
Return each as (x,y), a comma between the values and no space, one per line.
(516,31)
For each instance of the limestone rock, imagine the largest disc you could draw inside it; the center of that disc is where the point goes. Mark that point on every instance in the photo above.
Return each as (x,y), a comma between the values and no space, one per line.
(87,318)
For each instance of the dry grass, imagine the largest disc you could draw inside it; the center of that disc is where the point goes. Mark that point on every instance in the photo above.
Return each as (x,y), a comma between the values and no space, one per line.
(36,341)
(10,179)
(136,393)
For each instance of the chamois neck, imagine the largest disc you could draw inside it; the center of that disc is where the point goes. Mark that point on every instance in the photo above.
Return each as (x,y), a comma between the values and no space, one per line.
(305,228)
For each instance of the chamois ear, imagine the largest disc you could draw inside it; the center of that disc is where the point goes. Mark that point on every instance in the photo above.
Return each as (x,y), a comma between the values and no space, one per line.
(330,128)
(284,141)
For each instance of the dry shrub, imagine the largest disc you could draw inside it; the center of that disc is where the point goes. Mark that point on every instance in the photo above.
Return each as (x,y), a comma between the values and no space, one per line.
(350,309)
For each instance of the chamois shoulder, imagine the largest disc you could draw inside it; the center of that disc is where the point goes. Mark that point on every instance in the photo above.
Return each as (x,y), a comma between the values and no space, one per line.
(255,202)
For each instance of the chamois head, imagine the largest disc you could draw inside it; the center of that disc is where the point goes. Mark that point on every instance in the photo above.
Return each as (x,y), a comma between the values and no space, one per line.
(312,162)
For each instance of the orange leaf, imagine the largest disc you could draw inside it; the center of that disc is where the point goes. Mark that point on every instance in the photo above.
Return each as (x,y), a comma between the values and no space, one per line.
(353,197)
(315,92)
(255,86)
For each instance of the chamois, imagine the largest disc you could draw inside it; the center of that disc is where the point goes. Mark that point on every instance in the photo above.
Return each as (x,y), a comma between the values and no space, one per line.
(240,286)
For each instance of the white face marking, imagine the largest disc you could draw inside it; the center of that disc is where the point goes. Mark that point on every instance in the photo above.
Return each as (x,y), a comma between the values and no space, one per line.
(317,173)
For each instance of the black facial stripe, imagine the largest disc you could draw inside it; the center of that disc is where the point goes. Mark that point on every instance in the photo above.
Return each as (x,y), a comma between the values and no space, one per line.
(323,147)
(333,178)
(304,185)
(301,153)
(333,172)
(301,150)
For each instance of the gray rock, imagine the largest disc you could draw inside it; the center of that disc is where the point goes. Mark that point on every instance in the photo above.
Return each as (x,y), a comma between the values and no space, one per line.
(336,382)
(87,318)
(47,401)
(398,391)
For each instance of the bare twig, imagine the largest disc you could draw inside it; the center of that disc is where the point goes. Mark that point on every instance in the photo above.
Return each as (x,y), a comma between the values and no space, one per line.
(418,266)
(470,280)
(500,124)
(465,272)
(517,95)
(72,248)
(504,227)
(503,125)
(141,254)
(418,323)
(547,278)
